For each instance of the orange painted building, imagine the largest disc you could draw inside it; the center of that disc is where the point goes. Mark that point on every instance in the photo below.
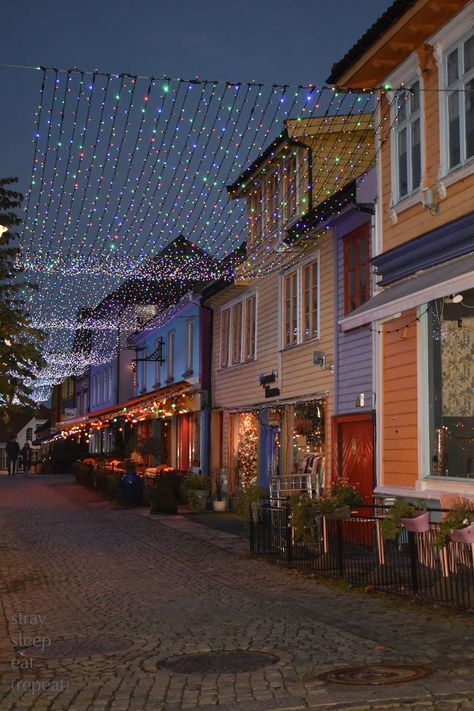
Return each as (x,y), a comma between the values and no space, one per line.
(419,56)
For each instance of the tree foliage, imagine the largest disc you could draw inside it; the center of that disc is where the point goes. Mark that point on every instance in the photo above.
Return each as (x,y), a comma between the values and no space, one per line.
(20,356)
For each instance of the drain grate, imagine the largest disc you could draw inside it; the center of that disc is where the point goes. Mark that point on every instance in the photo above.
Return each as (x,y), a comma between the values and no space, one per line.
(375,675)
(78,647)
(218,662)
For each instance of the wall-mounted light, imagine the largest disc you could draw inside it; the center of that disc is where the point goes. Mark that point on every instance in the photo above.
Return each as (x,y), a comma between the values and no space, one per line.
(429,201)
(319,359)
(454,299)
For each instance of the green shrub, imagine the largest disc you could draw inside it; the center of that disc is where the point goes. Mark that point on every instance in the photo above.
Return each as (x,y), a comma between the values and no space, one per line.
(195,501)
(303,511)
(200,483)
(461,516)
(341,494)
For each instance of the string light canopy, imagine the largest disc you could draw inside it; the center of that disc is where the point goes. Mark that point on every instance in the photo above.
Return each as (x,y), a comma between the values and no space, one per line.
(123,165)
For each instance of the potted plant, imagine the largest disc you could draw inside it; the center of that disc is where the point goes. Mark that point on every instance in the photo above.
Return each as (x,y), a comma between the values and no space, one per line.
(248,500)
(339,502)
(412,515)
(458,526)
(219,503)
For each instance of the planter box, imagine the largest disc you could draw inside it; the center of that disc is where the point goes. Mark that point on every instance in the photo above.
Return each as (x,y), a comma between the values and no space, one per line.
(219,505)
(417,524)
(463,535)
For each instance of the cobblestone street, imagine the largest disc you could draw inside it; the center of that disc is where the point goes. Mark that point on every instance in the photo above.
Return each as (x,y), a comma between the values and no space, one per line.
(101,596)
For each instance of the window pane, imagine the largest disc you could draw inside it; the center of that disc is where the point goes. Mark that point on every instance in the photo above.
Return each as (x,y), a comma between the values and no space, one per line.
(402,163)
(415,97)
(294,313)
(452,66)
(236,332)
(469,54)
(415,154)
(351,253)
(454,132)
(469,117)
(401,106)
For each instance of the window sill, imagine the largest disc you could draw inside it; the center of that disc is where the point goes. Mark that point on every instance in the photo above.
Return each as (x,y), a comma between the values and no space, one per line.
(155,386)
(454,175)
(188,373)
(234,366)
(142,391)
(168,381)
(404,203)
(316,339)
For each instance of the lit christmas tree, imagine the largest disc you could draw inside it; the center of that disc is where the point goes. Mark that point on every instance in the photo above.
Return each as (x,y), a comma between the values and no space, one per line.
(247,455)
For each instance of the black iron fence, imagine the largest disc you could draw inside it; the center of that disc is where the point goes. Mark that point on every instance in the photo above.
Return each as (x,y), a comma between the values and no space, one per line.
(355,550)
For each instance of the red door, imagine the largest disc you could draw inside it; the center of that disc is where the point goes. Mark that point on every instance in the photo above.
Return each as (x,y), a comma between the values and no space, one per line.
(354,461)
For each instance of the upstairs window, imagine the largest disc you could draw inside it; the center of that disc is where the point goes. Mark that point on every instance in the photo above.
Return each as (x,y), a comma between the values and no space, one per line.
(189,345)
(300,318)
(238,331)
(356,269)
(459,81)
(407,140)
(170,371)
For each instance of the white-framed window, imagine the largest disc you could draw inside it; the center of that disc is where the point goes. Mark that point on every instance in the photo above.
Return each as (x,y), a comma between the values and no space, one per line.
(406,140)
(273,202)
(458,75)
(158,345)
(110,395)
(300,304)
(170,371)
(143,355)
(239,331)
(189,344)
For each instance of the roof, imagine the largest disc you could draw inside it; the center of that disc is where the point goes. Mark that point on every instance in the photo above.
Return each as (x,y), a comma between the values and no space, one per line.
(391,15)
(332,206)
(267,153)
(20,419)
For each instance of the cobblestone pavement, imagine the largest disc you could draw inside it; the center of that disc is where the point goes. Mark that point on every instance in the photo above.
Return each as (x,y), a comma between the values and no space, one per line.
(118,592)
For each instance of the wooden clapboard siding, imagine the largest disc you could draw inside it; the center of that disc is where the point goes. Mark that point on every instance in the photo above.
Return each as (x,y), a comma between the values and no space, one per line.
(239,386)
(400,402)
(353,373)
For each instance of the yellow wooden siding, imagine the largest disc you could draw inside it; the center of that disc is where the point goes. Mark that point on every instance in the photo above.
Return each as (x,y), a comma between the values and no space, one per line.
(399,398)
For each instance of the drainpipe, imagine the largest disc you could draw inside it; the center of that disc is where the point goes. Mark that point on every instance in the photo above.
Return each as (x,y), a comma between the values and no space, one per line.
(209,390)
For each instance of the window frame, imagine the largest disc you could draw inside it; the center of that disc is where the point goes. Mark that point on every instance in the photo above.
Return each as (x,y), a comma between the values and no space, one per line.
(363,231)
(456,85)
(296,311)
(229,355)
(406,124)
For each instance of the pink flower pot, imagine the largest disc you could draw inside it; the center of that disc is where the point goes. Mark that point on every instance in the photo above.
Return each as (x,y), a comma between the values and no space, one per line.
(463,535)
(417,524)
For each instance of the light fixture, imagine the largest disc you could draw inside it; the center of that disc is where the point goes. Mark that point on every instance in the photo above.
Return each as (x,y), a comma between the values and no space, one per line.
(3,229)
(429,201)
(454,299)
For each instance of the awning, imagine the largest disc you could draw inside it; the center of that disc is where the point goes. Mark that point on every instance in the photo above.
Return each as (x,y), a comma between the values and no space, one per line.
(179,388)
(425,286)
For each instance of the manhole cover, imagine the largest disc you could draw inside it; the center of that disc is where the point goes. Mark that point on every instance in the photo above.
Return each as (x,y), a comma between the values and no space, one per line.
(218,662)
(47,648)
(375,675)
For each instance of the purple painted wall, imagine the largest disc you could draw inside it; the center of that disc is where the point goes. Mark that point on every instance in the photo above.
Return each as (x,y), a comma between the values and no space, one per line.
(353,351)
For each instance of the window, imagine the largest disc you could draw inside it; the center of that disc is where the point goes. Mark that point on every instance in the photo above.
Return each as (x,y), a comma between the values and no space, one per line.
(170,371)
(189,345)
(301,304)
(356,269)
(255,216)
(225,337)
(459,81)
(158,349)
(407,140)
(238,331)
(143,355)
(451,387)
(29,434)
(274,203)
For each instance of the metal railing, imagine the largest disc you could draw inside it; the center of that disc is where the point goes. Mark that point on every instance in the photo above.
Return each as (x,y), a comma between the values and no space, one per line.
(354,550)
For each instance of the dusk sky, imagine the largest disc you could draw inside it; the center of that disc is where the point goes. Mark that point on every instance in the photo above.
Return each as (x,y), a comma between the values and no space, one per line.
(266,40)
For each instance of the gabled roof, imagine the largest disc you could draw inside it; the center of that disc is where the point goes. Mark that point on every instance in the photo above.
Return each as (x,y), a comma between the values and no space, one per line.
(19,420)
(380,26)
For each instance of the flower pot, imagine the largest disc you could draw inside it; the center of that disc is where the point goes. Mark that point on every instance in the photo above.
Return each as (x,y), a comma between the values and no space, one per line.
(463,535)
(219,505)
(340,514)
(417,524)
